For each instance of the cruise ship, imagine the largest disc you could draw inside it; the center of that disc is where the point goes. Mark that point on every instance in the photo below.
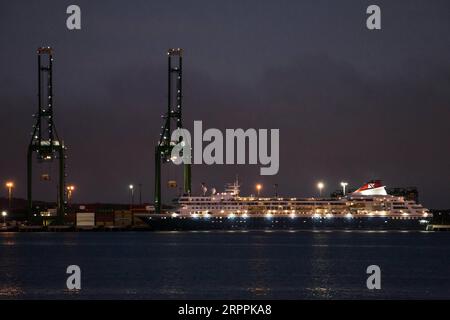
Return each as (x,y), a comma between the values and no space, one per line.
(369,207)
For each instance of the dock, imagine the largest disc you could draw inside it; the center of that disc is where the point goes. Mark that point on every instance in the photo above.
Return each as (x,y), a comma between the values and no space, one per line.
(72,228)
(438,227)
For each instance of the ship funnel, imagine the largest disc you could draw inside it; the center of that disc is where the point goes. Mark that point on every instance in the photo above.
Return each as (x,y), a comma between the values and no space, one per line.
(371,188)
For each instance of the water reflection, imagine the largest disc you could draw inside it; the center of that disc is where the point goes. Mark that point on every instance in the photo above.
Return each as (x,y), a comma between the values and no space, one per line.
(259,291)
(10,291)
(223,265)
(320,267)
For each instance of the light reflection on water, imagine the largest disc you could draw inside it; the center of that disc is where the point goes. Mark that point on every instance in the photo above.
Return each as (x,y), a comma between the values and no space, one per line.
(259,292)
(228,265)
(320,293)
(10,291)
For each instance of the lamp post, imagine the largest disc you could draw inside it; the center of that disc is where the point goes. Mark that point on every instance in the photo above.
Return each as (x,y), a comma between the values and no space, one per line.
(140,194)
(131,187)
(320,186)
(70,190)
(343,185)
(10,186)
(4,214)
(258,188)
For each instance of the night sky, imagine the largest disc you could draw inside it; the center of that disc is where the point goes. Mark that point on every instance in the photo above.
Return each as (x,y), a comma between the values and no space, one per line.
(351,104)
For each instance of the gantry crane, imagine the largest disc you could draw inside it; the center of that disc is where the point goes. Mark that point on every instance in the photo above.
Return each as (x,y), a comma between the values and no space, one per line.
(45,141)
(174,113)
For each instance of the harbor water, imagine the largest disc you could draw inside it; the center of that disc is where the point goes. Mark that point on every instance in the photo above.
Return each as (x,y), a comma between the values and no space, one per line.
(322,264)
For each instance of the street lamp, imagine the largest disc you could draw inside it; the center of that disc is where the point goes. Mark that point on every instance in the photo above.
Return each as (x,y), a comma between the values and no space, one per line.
(131,187)
(10,186)
(343,185)
(70,190)
(4,214)
(320,186)
(258,188)
(140,194)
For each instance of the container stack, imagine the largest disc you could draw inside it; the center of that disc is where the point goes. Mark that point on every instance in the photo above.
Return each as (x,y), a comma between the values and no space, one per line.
(123,218)
(104,219)
(85,220)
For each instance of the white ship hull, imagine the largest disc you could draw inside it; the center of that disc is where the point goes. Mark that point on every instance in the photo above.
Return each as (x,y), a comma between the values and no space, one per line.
(370,207)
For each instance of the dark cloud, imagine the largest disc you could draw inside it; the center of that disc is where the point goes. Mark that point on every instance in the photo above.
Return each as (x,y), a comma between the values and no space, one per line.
(350,104)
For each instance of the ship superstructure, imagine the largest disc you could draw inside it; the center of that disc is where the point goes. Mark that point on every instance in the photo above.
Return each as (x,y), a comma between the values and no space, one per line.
(368,207)
(368,201)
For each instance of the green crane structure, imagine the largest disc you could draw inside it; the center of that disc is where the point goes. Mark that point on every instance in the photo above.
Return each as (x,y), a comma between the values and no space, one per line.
(174,113)
(45,141)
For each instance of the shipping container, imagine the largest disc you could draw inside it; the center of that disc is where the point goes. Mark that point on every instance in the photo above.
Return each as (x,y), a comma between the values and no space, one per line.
(104,219)
(104,223)
(138,221)
(85,219)
(123,218)
(70,218)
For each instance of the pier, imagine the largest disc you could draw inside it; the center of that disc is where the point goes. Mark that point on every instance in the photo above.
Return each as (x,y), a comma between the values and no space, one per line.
(438,227)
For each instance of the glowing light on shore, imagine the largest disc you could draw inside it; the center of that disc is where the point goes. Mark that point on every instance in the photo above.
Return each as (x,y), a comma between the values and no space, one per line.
(343,185)
(258,188)
(320,186)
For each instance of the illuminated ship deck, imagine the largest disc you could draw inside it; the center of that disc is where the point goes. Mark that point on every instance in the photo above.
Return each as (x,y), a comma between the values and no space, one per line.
(369,207)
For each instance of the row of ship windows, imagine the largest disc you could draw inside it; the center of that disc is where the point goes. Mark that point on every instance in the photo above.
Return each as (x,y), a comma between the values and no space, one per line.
(266,208)
(266,204)
(297,202)
(193,199)
(355,217)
